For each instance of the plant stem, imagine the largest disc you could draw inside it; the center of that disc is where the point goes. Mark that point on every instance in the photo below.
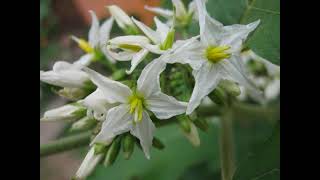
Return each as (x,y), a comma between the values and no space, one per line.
(226,146)
(65,143)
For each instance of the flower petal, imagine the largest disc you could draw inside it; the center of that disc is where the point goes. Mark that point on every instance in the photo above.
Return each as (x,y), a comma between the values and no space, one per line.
(148,82)
(66,78)
(94,35)
(162,12)
(230,72)
(105,30)
(206,80)
(112,90)
(97,104)
(151,34)
(136,59)
(130,39)
(120,56)
(164,106)
(84,60)
(63,113)
(180,8)
(61,66)
(162,29)
(118,121)
(88,164)
(144,131)
(210,29)
(273,89)
(235,35)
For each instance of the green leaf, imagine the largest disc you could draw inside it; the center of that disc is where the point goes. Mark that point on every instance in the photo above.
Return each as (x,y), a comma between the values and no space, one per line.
(264,162)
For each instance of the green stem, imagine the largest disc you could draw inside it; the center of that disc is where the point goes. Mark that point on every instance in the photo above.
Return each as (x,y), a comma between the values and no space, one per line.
(65,143)
(226,146)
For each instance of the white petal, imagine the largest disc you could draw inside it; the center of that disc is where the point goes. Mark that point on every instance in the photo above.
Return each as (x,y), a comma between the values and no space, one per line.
(63,113)
(88,164)
(272,69)
(105,30)
(97,103)
(118,121)
(273,89)
(94,35)
(120,16)
(66,78)
(162,29)
(186,52)
(85,60)
(112,90)
(105,51)
(148,82)
(206,80)
(120,56)
(164,106)
(61,66)
(144,131)
(235,35)
(232,73)
(152,35)
(180,9)
(210,29)
(153,48)
(136,59)
(162,12)
(130,39)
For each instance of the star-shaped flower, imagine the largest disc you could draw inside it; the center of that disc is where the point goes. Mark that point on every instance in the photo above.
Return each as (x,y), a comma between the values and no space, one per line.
(131,112)
(98,37)
(215,57)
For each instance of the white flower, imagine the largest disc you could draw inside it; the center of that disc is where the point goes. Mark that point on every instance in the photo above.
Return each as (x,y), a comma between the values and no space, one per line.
(215,57)
(64,74)
(88,165)
(126,48)
(98,37)
(182,15)
(123,20)
(131,113)
(162,38)
(69,112)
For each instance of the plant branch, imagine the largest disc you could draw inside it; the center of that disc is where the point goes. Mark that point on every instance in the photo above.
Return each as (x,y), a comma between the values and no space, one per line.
(65,143)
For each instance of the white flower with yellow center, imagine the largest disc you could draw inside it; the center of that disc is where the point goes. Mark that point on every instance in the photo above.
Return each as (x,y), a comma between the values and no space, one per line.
(182,15)
(97,38)
(131,112)
(215,57)
(136,47)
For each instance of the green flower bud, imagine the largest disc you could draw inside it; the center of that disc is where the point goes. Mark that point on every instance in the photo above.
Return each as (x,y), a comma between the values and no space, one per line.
(201,124)
(156,143)
(230,87)
(100,148)
(112,153)
(128,145)
(184,123)
(218,96)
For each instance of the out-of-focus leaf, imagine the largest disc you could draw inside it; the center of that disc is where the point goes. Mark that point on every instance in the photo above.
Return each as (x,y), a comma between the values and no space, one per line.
(264,162)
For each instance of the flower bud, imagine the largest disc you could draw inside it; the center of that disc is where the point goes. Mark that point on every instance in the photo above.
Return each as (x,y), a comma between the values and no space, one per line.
(88,165)
(69,112)
(230,87)
(72,94)
(184,123)
(128,145)
(123,20)
(84,123)
(218,96)
(201,124)
(113,152)
(193,135)
(156,143)
(100,148)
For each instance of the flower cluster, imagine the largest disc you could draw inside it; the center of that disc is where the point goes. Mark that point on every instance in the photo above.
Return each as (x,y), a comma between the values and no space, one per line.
(128,110)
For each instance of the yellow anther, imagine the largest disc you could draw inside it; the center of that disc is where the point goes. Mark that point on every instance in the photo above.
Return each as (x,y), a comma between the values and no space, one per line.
(131,47)
(217,53)
(85,46)
(136,102)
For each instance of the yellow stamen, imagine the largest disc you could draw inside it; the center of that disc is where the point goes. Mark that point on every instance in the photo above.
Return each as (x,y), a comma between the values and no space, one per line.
(83,44)
(217,53)
(136,102)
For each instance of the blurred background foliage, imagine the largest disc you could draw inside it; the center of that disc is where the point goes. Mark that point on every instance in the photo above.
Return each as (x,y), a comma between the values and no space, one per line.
(257,140)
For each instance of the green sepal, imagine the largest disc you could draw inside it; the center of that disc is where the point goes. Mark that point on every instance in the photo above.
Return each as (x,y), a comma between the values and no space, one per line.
(156,143)
(128,145)
(113,152)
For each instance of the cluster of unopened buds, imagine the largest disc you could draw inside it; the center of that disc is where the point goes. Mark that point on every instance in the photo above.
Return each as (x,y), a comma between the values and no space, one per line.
(167,79)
